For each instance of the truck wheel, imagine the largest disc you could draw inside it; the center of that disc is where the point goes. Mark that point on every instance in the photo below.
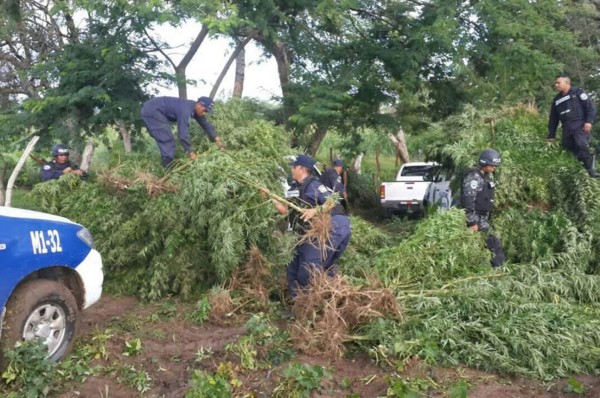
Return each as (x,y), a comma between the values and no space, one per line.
(388,214)
(42,309)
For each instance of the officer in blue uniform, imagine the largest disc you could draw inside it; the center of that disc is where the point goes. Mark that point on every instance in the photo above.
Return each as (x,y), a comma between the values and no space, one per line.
(573,108)
(60,164)
(158,114)
(308,192)
(332,179)
(477,198)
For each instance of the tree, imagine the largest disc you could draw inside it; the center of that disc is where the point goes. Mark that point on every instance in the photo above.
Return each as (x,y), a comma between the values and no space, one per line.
(95,78)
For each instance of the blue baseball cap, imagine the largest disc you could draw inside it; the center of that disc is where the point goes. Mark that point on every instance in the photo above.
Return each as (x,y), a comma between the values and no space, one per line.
(207,103)
(338,163)
(304,161)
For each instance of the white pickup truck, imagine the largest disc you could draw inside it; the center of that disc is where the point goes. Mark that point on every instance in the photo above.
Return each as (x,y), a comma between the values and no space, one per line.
(406,195)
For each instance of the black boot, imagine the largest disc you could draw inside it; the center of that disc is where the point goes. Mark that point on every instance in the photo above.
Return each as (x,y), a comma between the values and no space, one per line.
(593,173)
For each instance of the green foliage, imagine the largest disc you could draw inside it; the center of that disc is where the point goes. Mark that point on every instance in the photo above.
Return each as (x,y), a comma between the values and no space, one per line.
(539,316)
(213,385)
(299,380)
(460,389)
(176,242)
(139,380)
(543,237)
(29,370)
(406,387)
(441,249)
(364,246)
(362,191)
(202,310)
(574,386)
(133,348)
(76,367)
(50,195)
(263,345)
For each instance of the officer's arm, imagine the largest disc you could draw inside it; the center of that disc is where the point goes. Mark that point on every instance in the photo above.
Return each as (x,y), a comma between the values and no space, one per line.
(208,127)
(81,173)
(280,207)
(552,122)
(339,186)
(589,109)
(49,173)
(183,131)
(472,185)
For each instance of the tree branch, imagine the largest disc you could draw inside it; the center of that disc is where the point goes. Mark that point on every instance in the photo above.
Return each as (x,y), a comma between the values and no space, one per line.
(233,56)
(159,49)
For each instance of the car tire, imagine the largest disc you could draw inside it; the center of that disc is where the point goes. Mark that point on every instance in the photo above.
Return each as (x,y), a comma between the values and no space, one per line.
(45,309)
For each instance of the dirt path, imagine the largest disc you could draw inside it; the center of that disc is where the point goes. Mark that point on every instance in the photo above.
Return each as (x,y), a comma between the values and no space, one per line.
(173,347)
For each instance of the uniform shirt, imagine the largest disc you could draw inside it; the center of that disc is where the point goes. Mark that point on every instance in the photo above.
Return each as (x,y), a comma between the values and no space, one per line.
(331,179)
(477,197)
(310,192)
(53,170)
(166,110)
(572,110)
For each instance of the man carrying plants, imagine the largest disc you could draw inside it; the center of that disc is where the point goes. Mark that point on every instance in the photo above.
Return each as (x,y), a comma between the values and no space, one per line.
(312,253)
(332,179)
(477,198)
(158,114)
(60,164)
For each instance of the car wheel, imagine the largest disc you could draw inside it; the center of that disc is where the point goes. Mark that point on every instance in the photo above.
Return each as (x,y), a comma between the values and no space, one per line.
(41,309)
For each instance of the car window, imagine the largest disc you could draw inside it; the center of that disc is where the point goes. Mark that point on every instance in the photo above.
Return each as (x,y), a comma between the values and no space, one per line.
(419,171)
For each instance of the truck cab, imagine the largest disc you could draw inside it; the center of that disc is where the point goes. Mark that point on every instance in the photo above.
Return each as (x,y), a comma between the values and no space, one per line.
(50,273)
(406,195)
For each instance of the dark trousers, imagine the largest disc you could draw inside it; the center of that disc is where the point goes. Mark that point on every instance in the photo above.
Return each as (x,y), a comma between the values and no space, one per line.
(161,132)
(494,245)
(310,257)
(339,242)
(577,142)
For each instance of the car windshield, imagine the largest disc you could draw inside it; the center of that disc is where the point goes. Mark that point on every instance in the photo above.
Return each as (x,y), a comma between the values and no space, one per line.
(418,171)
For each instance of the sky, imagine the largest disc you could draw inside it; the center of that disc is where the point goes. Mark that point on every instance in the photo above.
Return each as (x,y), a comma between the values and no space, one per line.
(261,81)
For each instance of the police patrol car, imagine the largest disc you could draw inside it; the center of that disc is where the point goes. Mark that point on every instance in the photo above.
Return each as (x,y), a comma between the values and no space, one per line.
(49,273)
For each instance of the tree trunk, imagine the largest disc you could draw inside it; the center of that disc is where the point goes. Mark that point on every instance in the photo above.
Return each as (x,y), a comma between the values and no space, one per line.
(182,66)
(399,142)
(240,74)
(357,164)
(232,58)
(17,169)
(282,56)
(88,153)
(126,135)
(2,175)
(316,139)
(181,82)
(378,163)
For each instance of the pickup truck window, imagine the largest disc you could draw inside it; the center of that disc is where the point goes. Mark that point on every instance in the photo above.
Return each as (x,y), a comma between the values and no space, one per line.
(417,171)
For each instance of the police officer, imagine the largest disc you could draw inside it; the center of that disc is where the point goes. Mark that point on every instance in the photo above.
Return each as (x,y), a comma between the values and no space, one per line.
(477,198)
(573,108)
(60,164)
(332,179)
(158,114)
(308,192)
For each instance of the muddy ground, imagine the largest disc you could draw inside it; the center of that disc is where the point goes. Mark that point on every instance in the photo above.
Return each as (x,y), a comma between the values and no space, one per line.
(169,355)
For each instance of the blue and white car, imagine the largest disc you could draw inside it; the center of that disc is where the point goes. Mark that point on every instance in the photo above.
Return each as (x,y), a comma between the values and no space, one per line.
(49,272)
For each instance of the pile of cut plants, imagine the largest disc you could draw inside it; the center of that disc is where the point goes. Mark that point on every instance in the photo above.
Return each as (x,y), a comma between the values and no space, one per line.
(431,294)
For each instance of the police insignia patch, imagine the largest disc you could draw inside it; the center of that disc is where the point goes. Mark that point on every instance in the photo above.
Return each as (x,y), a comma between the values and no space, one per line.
(474,184)
(583,96)
(46,167)
(322,188)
